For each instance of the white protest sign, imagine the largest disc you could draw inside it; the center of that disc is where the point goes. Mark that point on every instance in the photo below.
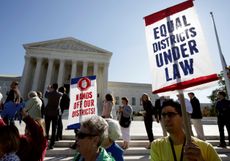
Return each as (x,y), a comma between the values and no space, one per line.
(177,50)
(83,100)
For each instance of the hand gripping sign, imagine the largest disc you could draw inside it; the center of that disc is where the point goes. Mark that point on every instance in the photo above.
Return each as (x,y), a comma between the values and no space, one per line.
(83,100)
(177,51)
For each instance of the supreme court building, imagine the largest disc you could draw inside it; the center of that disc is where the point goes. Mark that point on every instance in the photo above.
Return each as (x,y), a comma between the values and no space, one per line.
(59,60)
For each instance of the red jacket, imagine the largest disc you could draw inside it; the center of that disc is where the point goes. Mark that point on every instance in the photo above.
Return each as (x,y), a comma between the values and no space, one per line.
(33,146)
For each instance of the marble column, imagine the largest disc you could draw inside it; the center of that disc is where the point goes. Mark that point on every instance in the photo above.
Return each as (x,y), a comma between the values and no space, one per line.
(105,74)
(37,74)
(49,73)
(95,69)
(61,73)
(74,69)
(85,68)
(24,81)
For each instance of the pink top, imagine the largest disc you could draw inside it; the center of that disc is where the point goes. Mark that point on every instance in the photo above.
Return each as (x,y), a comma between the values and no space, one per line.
(107,109)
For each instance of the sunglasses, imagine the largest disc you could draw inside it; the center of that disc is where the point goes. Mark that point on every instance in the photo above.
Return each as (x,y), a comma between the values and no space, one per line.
(81,135)
(169,114)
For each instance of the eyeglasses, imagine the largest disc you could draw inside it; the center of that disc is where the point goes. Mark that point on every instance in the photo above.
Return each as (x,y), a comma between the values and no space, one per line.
(81,135)
(169,114)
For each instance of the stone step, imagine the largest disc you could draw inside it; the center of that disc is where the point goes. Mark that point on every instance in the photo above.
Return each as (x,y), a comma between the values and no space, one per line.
(60,151)
(58,159)
(133,143)
(144,137)
(64,151)
(215,142)
(136,152)
(224,157)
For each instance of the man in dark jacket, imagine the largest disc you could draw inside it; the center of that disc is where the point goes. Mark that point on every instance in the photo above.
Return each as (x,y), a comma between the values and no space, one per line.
(64,105)
(223,113)
(196,116)
(52,111)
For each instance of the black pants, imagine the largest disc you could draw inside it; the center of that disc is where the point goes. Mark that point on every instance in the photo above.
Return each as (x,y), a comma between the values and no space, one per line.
(148,126)
(54,120)
(8,121)
(221,121)
(59,128)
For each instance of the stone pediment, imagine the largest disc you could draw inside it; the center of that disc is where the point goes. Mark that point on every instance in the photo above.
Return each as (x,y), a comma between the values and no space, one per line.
(66,44)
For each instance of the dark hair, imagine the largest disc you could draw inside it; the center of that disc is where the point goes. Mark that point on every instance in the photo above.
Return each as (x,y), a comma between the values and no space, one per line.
(62,89)
(125,99)
(39,93)
(173,104)
(13,84)
(109,97)
(146,95)
(11,96)
(222,93)
(9,138)
(191,93)
(55,86)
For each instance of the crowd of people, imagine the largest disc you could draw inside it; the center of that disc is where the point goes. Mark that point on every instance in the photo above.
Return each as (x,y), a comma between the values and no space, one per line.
(101,132)
(37,117)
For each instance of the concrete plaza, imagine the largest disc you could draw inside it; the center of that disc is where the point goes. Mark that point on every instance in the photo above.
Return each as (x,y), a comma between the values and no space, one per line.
(138,128)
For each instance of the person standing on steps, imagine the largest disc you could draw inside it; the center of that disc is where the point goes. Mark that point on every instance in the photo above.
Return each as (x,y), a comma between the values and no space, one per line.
(107,106)
(189,110)
(52,111)
(148,117)
(223,113)
(196,116)
(64,105)
(125,119)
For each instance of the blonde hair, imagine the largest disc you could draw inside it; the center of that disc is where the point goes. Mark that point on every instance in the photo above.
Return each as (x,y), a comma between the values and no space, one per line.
(41,123)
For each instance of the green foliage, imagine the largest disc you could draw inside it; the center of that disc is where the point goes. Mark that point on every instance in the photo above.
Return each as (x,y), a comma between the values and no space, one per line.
(212,111)
(221,81)
(212,97)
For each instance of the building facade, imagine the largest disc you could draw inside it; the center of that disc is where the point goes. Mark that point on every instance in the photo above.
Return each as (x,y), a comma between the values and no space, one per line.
(57,61)
(133,91)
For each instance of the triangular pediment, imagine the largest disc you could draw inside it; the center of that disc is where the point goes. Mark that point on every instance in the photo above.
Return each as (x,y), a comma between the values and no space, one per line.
(66,44)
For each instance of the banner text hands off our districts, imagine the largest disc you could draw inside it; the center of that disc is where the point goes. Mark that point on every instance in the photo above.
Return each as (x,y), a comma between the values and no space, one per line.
(84,104)
(170,55)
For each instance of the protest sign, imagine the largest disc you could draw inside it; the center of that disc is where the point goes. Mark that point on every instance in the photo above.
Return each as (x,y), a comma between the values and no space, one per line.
(177,50)
(83,100)
(178,54)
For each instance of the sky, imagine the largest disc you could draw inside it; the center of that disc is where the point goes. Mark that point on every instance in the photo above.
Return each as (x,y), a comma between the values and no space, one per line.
(116,26)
